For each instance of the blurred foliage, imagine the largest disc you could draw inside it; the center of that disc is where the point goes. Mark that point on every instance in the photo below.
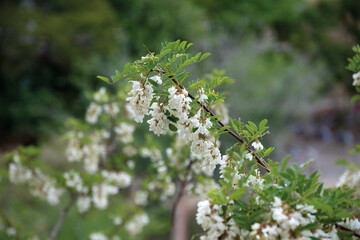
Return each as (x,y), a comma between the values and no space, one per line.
(46,48)
(51,51)
(324,29)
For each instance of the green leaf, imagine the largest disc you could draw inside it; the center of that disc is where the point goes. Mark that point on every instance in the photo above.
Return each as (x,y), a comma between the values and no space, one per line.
(237,194)
(234,124)
(105,79)
(285,162)
(268,151)
(253,126)
(262,125)
(172,128)
(164,52)
(205,55)
(123,73)
(355,98)
(153,82)
(224,128)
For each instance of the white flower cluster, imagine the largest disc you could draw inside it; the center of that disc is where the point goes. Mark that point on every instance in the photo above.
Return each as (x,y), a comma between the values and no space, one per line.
(113,181)
(141,197)
(284,223)
(209,217)
(201,148)
(90,152)
(159,123)
(178,104)
(140,98)
(74,180)
(73,150)
(98,236)
(93,113)
(11,231)
(351,179)
(161,181)
(257,145)
(43,187)
(101,193)
(18,173)
(136,224)
(119,179)
(40,185)
(125,132)
(356,77)
(352,223)
(83,203)
(202,95)
(93,152)
(99,105)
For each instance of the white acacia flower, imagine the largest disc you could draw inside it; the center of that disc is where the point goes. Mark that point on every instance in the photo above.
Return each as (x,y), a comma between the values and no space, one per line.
(179,103)
(101,95)
(140,198)
(125,132)
(120,179)
(73,150)
(83,203)
(11,232)
(156,79)
(352,223)
(19,173)
(100,194)
(249,156)
(356,78)
(136,224)
(43,187)
(159,123)
(98,236)
(202,95)
(117,220)
(112,109)
(202,123)
(257,145)
(93,113)
(208,217)
(73,180)
(140,98)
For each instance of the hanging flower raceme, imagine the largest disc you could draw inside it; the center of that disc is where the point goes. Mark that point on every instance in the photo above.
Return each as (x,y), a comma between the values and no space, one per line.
(159,123)
(179,103)
(140,98)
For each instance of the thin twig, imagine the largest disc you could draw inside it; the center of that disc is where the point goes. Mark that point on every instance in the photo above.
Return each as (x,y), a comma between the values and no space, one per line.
(340,231)
(258,159)
(62,217)
(8,222)
(348,230)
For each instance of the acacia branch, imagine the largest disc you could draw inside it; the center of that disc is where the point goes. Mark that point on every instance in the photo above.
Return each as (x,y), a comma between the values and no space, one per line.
(62,217)
(237,137)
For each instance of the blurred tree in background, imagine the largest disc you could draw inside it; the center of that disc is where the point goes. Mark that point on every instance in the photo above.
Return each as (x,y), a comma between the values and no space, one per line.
(51,51)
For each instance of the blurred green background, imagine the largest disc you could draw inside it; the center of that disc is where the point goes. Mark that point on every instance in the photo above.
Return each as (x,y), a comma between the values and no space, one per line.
(287,57)
(282,55)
